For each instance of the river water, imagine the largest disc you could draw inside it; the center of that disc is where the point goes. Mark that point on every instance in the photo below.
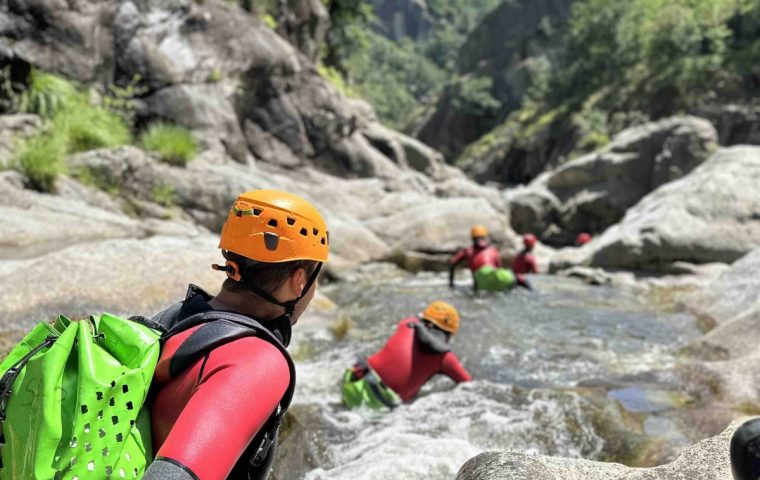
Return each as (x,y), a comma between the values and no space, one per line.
(558,371)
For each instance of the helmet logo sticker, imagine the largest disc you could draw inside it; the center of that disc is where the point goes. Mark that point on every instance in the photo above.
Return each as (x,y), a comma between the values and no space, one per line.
(271,240)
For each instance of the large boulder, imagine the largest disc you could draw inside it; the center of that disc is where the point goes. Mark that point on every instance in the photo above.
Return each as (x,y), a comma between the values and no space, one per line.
(32,222)
(368,217)
(73,38)
(711,215)
(731,304)
(214,68)
(595,191)
(707,460)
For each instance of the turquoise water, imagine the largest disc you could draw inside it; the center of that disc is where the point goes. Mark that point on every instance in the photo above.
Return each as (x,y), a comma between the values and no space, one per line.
(555,373)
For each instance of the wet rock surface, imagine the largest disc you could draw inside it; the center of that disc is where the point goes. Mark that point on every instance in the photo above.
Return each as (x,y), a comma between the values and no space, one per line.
(708,460)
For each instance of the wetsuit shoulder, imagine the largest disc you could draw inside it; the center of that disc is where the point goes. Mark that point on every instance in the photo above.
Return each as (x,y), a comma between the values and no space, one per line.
(239,386)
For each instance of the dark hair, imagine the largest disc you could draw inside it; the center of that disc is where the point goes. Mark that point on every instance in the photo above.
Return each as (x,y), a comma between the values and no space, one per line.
(266,276)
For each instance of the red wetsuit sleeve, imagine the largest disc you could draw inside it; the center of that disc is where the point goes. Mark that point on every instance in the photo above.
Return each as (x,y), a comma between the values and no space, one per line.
(241,386)
(459,256)
(451,367)
(531,263)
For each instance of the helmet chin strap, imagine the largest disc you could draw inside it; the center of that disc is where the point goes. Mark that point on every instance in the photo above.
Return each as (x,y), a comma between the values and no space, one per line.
(231,268)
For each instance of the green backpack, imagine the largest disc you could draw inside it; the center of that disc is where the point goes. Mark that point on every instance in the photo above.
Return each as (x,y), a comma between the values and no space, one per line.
(71,397)
(72,393)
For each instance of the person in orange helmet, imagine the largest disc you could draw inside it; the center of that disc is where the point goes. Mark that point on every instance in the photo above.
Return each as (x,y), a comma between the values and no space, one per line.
(525,261)
(417,350)
(484,261)
(225,379)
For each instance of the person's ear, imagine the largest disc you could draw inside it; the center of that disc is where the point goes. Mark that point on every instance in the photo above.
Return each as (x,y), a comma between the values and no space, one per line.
(298,282)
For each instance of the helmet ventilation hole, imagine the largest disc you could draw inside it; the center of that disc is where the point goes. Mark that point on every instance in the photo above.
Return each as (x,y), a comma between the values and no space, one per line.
(304,232)
(323,242)
(257,212)
(315,231)
(291,221)
(272,223)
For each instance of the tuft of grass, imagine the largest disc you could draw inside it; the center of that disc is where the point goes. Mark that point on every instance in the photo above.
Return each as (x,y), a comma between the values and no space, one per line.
(164,194)
(87,127)
(173,144)
(214,76)
(47,94)
(41,159)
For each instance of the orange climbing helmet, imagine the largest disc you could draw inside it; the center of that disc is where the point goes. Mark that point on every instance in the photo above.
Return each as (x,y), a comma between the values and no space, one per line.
(443,316)
(479,231)
(272,226)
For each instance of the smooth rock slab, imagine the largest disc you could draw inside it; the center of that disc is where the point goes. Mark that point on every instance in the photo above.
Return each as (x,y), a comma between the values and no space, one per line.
(710,215)
(707,460)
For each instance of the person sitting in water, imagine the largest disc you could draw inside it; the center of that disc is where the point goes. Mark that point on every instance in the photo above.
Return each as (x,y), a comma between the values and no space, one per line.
(525,261)
(417,350)
(484,261)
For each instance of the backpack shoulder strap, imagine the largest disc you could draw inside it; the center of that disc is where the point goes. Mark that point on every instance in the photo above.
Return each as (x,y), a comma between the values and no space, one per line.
(217,329)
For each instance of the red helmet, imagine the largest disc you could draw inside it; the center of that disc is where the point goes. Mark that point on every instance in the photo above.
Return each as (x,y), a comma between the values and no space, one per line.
(529,240)
(582,239)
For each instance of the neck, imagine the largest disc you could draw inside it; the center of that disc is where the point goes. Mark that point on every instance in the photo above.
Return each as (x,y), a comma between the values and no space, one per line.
(247,305)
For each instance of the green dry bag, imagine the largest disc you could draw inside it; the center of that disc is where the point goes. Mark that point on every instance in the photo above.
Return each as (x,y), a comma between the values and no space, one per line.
(71,398)
(493,279)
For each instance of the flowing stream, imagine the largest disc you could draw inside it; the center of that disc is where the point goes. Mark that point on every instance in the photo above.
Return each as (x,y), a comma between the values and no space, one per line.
(558,371)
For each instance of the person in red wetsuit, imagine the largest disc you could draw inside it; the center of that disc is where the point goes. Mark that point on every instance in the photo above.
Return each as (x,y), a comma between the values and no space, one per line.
(418,350)
(484,261)
(582,239)
(215,416)
(525,261)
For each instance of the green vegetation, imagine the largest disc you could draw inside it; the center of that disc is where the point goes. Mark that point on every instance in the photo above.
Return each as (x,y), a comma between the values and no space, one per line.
(73,124)
(214,76)
(396,76)
(165,195)
(631,60)
(336,79)
(174,145)
(41,159)
(348,34)
(393,77)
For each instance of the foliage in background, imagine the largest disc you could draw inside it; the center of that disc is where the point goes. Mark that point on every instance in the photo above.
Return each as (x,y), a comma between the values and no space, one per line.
(347,34)
(396,76)
(455,19)
(336,79)
(174,145)
(658,57)
(630,61)
(393,77)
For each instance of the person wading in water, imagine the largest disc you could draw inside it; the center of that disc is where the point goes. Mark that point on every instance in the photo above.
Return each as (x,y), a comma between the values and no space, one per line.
(484,261)
(417,350)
